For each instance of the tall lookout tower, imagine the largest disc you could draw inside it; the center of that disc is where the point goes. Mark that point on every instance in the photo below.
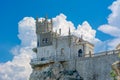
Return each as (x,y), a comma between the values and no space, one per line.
(56,54)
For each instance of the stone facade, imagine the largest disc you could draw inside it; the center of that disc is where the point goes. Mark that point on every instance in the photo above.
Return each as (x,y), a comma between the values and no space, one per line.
(68,57)
(50,43)
(118,47)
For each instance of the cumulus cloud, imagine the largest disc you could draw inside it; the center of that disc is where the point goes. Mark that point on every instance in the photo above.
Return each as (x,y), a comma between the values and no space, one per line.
(60,22)
(27,31)
(86,31)
(113,26)
(111,30)
(19,68)
(113,42)
(114,17)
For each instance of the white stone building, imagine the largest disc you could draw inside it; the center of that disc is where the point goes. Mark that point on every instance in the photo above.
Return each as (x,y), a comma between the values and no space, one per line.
(50,43)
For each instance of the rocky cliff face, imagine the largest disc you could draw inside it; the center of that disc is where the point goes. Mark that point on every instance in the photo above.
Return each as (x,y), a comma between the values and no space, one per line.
(55,71)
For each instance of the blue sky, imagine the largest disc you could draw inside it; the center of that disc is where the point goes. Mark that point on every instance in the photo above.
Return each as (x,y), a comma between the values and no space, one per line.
(77,11)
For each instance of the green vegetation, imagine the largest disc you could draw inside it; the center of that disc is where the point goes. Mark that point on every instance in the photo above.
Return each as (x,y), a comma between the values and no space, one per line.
(113,75)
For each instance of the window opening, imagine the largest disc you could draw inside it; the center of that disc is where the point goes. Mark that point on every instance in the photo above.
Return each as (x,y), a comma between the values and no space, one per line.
(80,53)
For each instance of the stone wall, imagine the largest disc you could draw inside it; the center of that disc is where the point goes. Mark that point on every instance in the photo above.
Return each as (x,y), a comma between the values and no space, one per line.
(96,68)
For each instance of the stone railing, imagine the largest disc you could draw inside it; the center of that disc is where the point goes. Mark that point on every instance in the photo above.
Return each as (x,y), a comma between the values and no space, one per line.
(101,53)
(107,53)
(45,60)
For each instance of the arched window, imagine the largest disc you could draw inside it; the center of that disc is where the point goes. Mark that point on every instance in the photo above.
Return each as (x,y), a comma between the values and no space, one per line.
(38,43)
(62,51)
(80,53)
(90,53)
(46,40)
(43,40)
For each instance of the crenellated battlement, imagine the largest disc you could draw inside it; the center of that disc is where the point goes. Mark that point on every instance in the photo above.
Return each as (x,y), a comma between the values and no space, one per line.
(44,25)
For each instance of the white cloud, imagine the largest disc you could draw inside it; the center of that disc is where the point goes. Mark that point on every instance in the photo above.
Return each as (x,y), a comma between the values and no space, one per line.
(27,31)
(113,26)
(19,68)
(86,31)
(60,22)
(111,30)
(113,43)
(114,17)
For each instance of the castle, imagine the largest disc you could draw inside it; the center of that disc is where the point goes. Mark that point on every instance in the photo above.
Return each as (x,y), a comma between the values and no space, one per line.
(68,57)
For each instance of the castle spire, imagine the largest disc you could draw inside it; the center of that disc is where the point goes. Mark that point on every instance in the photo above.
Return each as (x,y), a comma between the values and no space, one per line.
(56,33)
(69,32)
(60,31)
(46,23)
(81,36)
(51,21)
(46,17)
(69,40)
(37,19)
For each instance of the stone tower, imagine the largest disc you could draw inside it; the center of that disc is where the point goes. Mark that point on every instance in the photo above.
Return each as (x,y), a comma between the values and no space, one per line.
(44,32)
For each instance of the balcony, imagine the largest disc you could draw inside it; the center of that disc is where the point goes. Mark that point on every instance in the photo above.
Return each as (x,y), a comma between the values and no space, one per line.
(46,60)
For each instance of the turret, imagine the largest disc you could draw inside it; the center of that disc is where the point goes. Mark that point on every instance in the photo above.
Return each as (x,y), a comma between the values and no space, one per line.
(44,29)
(44,25)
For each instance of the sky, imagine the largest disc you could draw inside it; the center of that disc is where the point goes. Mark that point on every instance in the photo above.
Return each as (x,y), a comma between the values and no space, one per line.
(96,20)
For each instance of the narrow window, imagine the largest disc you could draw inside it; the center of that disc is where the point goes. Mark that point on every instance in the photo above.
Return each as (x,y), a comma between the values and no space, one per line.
(38,43)
(43,41)
(90,54)
(46,40)
(62,51)
(80,53)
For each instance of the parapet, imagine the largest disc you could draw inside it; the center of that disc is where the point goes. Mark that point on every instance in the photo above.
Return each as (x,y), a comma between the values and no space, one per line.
(44,25)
